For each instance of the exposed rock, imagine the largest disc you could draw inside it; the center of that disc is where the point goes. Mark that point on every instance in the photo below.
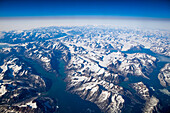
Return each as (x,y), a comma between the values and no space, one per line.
(164,75)
(17,78)
(97,66)
(107,96)
(39,105)
(151,105)
(91,77)
(141,90)
(44,52)
(19,88)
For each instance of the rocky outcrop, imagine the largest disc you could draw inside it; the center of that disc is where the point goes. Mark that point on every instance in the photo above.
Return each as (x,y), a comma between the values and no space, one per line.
(108,97)
(151,105)
(141,90)
(17,78)
(20,88)
(164,75)
(95,75)
(97,62)
(45,53)
(40,34)
(94,80)
(38,105)
(137,64)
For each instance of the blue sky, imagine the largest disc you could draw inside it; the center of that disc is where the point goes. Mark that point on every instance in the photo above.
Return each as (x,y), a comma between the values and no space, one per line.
(118,8)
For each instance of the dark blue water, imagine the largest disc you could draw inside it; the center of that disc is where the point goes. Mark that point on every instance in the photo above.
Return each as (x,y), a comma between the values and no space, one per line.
(161,61)
(3,46)
(153,81)
(68,103)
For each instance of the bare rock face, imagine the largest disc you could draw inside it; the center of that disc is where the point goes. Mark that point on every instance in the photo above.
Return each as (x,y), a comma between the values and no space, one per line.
(38,105)
(164,75)
(141,90)
(44,52)
(151,105)
(96,79)
(20,88)
(137,64)
(98,59)
(107,96)
(89,78)
(18,79)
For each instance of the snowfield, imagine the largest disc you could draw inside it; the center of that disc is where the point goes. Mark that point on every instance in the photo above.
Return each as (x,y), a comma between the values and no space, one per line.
(99,62)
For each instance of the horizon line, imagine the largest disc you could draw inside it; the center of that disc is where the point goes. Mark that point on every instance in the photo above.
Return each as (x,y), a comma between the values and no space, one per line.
(83,17)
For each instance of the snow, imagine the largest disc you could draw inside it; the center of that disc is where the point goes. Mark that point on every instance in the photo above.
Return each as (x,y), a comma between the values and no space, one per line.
(117,99)
(164,75)
(165,91)
(101,71)
(120,99)
(4,68)
(7,49)
(2,90)
(91,63)
(94,89)
(79,78)
(31,104)
(104,95)
(45,59)
(26,23)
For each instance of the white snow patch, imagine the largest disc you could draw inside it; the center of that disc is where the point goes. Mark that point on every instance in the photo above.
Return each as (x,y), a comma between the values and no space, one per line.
(2,90)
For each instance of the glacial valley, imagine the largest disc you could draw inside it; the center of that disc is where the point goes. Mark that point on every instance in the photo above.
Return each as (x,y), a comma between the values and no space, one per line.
(113,68)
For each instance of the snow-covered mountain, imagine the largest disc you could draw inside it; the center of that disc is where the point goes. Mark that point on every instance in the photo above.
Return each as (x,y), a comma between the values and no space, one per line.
(99,60)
